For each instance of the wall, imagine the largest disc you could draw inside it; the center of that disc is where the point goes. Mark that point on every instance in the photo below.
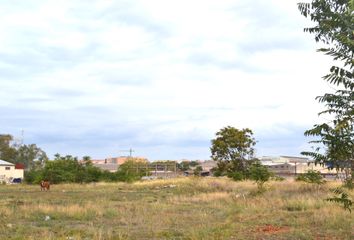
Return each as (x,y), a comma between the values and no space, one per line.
(14,173)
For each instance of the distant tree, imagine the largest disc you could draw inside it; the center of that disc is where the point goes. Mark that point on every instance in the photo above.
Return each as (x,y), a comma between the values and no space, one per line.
(311,176)
(193,163)
(87,160)
(197,171)
(68,169)
(233,150)
(132,170)
(183,166)
(62,169)
(186,165)
(334,21)
(7,151)
(31,156)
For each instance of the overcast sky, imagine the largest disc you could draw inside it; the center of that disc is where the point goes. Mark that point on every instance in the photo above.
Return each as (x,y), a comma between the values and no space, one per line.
(95,77)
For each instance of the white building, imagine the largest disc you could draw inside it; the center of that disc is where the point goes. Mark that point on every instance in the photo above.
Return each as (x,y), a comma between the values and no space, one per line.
(8,171)
(288,165)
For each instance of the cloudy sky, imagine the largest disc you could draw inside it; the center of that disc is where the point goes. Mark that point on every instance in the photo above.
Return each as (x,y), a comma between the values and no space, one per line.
(95,77)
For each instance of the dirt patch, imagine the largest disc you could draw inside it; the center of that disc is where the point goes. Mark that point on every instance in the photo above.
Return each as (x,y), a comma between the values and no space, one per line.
(270,229)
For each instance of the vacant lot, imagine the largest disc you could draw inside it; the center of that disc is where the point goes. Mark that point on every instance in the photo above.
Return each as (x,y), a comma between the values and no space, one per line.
(186,208)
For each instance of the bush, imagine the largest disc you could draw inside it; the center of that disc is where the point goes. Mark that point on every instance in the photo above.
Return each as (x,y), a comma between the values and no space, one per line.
(64,169)
(278,178)
(197,171)
(131,171)
(33,176)
(260,174)
(69,170)
(313,177)
(236,176)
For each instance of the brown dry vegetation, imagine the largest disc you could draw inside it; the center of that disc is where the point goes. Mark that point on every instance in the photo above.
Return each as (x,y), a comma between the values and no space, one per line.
(184,208)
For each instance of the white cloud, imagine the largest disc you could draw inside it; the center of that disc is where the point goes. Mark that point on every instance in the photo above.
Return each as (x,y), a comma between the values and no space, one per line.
(170,73)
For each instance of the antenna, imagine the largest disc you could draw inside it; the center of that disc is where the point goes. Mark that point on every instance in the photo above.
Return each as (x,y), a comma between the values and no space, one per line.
(130,151)
(22,136)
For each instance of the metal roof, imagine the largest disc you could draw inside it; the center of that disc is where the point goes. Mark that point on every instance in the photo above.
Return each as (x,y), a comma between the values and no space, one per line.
(4,163)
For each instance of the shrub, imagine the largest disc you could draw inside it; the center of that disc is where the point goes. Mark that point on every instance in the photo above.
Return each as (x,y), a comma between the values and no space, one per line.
(260,174)
(197,171)
(236,176)
(131,171)
(277,178)
(313,177)
(33,176)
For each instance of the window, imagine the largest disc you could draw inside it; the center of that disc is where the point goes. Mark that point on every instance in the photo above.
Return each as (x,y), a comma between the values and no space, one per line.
(7,168)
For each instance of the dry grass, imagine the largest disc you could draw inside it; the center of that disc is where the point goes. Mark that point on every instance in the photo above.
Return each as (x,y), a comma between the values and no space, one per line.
(181,208)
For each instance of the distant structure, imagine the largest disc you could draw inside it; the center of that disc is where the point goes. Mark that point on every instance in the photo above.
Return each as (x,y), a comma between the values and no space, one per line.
(290,166)
(207,167)
(112,163)
(10,171)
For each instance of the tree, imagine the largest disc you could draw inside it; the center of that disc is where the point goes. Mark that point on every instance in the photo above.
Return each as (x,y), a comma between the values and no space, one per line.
(335,28)
(260,174)
(7,151)
(313,177)
(132,170)
(232,148)
(197,171)
(31,156)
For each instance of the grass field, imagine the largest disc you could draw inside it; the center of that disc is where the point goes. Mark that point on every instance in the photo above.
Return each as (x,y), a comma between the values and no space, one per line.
(184,208)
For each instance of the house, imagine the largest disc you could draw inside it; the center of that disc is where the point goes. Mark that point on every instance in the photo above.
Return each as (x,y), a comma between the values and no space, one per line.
(9,171)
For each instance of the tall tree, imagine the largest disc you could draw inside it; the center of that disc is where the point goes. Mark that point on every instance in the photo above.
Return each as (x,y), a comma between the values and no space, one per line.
(334,27)
(31,156)
(232,148)
(7,151)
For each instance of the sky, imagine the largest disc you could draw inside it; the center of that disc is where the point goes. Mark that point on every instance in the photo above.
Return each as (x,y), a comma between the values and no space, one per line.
(98,77)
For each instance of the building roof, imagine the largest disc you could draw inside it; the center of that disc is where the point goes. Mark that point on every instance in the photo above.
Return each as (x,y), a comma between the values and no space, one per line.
(4,163)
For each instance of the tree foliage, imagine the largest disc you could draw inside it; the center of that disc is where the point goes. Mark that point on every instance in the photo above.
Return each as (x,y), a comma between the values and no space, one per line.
(30,155)
(132,170)
(232,149)
(260,174)
(7,151)
(341,197)
(334,27)
(313,177)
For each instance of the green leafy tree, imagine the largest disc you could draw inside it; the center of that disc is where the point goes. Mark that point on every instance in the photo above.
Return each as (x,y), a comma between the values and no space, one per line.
(334,27)
(233,150)
(65,169)
(197,171)
(7,151)
(260,174)
(183,166)
(132,170)
(313,177)
(31,156)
